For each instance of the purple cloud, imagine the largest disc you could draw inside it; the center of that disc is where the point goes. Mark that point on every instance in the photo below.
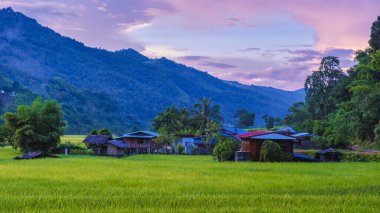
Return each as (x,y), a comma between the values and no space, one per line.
(251,49)
(194,58)
(218,65)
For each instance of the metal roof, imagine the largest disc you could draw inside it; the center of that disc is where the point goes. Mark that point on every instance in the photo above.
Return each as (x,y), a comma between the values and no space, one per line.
(232,131)
(287,129)
(141,134)
(254,133)
(302,134)
(97,139)
(273,136)
(35,154)
(327,150)
(117,143)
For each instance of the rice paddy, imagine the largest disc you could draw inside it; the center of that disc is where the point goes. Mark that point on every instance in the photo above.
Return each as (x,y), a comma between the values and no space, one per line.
(167,183)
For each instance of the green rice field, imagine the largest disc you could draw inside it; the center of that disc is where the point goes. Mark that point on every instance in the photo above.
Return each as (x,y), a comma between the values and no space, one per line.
(167,183)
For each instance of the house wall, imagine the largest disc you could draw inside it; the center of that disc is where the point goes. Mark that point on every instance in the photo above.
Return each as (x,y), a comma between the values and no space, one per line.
(188,143)
(114,151)
(138,143)
(254,147)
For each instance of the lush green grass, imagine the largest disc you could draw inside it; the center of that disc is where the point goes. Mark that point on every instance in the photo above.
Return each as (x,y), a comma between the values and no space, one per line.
(163,183)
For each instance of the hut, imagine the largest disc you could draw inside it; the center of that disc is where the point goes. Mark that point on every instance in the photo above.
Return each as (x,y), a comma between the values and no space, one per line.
(35,155)
(96,142)
(252,141)
(329,155)
(115,148)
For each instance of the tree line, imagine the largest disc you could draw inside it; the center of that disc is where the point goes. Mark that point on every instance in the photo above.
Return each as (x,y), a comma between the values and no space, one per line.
(342,108)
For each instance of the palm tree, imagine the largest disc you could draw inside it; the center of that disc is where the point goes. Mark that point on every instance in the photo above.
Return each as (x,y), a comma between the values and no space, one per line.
(205,113)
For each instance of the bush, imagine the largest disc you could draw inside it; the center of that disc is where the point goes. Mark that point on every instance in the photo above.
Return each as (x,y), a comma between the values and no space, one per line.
(270,151)
(361,157)
(225,149)
(180,149)
(377,134)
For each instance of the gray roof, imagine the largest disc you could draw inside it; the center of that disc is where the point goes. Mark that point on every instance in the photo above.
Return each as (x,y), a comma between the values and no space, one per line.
(97,139)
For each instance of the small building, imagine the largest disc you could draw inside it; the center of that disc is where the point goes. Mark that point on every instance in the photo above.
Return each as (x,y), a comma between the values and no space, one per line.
(303,140)
(115,148)
(35,155)
(252,142)
(140,142)
(96,142)
(187,141)
(329,155)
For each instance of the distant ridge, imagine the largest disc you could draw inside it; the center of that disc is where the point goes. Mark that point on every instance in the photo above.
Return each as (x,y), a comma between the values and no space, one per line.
(122,90)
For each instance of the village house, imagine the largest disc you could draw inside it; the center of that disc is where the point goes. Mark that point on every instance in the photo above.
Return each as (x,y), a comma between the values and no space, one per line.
(140,142)
(251,142)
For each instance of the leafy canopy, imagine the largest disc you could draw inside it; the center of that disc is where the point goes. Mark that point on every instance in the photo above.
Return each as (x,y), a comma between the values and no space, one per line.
(36,128)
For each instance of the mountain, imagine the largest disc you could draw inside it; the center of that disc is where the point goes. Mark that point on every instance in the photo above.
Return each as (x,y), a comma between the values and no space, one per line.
(122,89)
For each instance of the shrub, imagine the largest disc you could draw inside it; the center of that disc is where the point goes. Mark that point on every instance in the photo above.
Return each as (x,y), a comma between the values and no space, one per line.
(180,149)
(270,151)
(225,149)
(361,157)
(377,134)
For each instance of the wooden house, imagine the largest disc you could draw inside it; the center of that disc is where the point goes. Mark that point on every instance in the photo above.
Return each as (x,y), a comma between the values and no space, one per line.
(252,142)
(140,142)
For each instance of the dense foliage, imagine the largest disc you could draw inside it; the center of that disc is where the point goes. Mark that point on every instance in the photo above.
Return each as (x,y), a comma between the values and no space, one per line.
(36,128)
(343,108)
(245,119)
(225,149)
(122,90)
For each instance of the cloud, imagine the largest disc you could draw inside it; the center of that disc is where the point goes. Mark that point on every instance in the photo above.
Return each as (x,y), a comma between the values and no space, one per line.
(308,55)
(251,49)
(218,65)
(194,58)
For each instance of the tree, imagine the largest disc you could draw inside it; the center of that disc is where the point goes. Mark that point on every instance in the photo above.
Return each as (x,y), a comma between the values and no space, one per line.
(204,113)
(246,119)
(93,132)
(297,114)
(225,149)
(319,86)
(374,41)
(105,131)
(269,121)
(172,120)
(38,127)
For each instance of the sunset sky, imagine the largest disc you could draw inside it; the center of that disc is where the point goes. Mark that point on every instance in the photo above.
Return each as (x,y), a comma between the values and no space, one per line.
(263,42)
